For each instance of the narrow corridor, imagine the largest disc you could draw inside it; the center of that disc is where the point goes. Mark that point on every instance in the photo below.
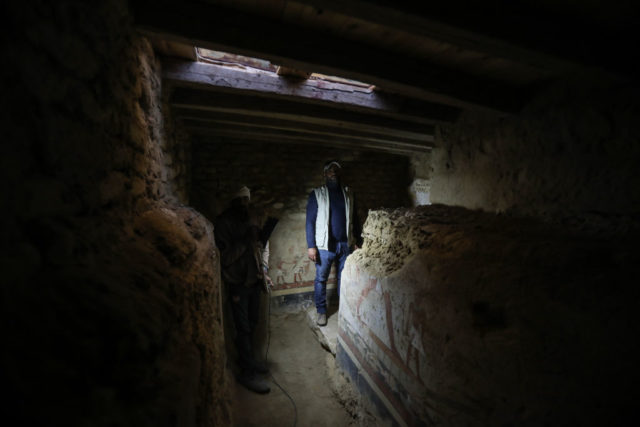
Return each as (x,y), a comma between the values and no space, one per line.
(303,368)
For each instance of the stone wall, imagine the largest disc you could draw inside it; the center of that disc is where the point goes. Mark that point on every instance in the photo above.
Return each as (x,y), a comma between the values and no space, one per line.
(281,178)
(176,150)
(520,315)
(110,296)
(573,150)
(454,317)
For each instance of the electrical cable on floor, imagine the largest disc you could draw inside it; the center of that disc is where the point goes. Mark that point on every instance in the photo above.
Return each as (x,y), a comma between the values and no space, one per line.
(295,409)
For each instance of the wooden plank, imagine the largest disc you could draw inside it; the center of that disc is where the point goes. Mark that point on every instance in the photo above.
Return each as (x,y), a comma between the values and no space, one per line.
(215,77)
(212,113)
(244,129)
(287,109)
(278,138)
(213,27)
(292,73)
(538,35)
(292,11)
(401,23)
(173,49)
(320,131)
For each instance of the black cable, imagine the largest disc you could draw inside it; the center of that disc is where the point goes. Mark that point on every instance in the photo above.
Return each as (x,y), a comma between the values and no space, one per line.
(295,409)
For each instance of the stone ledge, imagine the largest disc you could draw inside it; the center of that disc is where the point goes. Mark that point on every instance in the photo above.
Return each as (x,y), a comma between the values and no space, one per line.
(327,335)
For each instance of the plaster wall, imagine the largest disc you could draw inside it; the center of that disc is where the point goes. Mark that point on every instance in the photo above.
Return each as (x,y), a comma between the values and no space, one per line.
(456,317)
(573,150)
(519,315)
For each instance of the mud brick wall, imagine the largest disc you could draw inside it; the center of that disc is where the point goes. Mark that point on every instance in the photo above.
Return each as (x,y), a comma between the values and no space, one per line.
(281,178)
(456,317)
(110,288)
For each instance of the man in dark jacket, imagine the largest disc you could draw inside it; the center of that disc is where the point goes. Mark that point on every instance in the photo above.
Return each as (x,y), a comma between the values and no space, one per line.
(236,235)
(333,230)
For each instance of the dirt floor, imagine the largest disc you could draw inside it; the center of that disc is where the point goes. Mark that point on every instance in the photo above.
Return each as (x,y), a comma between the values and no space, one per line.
(302,367)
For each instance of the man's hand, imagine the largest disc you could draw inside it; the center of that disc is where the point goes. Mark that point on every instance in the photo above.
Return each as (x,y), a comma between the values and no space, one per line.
(268,283)
(313,254)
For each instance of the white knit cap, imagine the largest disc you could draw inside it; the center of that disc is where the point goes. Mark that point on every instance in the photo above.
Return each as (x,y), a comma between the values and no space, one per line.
(329,164)
(242,192)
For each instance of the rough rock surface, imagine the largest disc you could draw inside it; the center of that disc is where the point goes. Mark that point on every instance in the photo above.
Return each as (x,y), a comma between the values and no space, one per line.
(110,294)
(123,328)
(573,149)
(462,317)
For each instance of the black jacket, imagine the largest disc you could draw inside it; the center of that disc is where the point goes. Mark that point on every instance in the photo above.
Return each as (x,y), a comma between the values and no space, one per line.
(237,240)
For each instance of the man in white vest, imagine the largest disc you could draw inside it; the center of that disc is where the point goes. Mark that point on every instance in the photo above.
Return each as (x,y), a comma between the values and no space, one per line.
(333,230)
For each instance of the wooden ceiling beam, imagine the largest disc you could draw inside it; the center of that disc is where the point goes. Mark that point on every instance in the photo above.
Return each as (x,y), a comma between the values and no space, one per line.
(287,129)
(215,27)
(341,128)
(551,35)
(218,78)
(537,35)
(222,135)
(290,110)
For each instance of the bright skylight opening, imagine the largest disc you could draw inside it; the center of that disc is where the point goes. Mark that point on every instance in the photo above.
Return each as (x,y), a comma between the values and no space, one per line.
(261,65)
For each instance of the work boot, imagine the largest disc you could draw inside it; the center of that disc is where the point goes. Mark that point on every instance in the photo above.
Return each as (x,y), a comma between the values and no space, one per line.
(253,383)
(322,319)
(259,367)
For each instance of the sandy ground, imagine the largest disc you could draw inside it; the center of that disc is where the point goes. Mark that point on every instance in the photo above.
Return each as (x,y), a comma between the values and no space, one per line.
(305,370)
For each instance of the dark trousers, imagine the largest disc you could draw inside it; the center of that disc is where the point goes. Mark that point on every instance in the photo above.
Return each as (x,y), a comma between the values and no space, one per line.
(323,268)
(245,316)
